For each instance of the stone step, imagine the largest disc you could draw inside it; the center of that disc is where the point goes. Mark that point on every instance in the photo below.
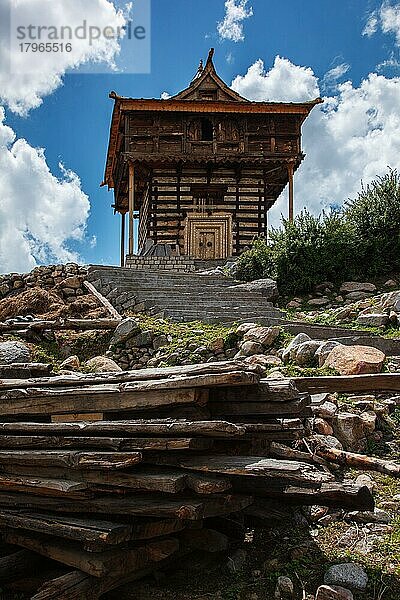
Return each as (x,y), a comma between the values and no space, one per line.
(184,291)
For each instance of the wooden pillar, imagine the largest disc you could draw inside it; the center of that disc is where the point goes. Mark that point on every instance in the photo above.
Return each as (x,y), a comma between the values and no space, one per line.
(131,198)
(122,239)
(291,195)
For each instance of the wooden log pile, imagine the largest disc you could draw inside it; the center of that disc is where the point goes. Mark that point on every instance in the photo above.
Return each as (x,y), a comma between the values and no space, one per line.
(106,477)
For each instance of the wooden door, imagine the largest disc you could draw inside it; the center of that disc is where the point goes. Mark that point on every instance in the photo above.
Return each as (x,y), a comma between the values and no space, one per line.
(206,245)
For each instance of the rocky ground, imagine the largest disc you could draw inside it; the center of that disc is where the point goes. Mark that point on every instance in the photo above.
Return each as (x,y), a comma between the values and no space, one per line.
(324,554)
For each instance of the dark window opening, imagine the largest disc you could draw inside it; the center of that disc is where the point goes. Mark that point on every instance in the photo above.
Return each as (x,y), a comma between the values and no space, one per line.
(207,132)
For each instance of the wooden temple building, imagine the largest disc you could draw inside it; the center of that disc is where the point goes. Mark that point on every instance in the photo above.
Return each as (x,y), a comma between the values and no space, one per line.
(201,169)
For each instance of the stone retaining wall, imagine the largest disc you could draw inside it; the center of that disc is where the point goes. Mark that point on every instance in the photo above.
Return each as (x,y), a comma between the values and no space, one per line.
(67,279)
(181,264)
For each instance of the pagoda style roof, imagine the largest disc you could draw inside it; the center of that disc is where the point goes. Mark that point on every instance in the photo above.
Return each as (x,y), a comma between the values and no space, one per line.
(207,93)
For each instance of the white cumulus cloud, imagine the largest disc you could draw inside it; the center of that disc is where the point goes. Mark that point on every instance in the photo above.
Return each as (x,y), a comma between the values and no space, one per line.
(39,212)
(352,137)
(22,88)
(231,27)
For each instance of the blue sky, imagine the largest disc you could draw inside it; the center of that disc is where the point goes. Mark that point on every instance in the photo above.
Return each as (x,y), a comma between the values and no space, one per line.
(71,124)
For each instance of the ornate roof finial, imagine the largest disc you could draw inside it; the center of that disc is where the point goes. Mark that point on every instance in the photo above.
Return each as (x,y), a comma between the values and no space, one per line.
(199,70)
(210,56)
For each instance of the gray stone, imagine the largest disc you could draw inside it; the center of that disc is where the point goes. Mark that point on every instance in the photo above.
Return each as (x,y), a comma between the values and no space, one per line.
(14,352)
(245,327)
(267,287)
(349,575)
(160,341)
(326,410)
(125,330)
(356,286)
(366,516)
(365,479)
(102,364)
(319,301)
(144,338)
(250,348)
(327,440)
(373,319)
(357,295)
(72,363)
(284,589)
(349,429)
(265,336)
(290,350)
(329,592)
(324,350)
(305,353)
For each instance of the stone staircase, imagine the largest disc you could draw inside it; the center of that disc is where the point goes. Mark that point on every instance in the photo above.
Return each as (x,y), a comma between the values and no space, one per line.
(181,296)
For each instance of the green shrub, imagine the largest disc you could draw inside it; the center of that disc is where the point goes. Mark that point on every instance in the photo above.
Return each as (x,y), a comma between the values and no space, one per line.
(374,217)
(362,240)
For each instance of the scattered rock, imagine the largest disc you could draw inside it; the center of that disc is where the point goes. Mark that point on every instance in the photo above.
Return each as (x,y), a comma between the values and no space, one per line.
(349,429)
(160,341)
(373,319)
(326,410)
(250,348)
(355,360)
(366,516)
(284,589)
(328,592)
(326,440)
(305,353)
(319,301)
(324,350)
(296,341)
(349,575)
(125,330)
(262,335)
(355,286)
(391,283)
(101,364)
(293,304)
(366,480)
(71,363)
(267,287)
(14,352)
(245,327)
(321,426)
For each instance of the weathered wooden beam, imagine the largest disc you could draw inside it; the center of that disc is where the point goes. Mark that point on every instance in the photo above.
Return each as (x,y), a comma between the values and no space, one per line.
(42,442)
(25,370)
(19,564)
(73,459)
(227,409)
(251,466)
(138,505)
(62,324)
(279,390)
(148,427)
(349,383)
(99,564)
(43,486)
(87,530)
(164,373)
(106,303)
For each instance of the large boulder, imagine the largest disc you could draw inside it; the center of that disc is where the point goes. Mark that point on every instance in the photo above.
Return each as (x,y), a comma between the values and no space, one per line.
(348,575)
(102,364)
(265,336)
(14,352)
(249,348)
(71,363)
(355,360)
(267,287)
(124,331)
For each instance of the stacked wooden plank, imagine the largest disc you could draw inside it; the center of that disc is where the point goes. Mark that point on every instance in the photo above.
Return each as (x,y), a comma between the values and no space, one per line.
(112,474)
